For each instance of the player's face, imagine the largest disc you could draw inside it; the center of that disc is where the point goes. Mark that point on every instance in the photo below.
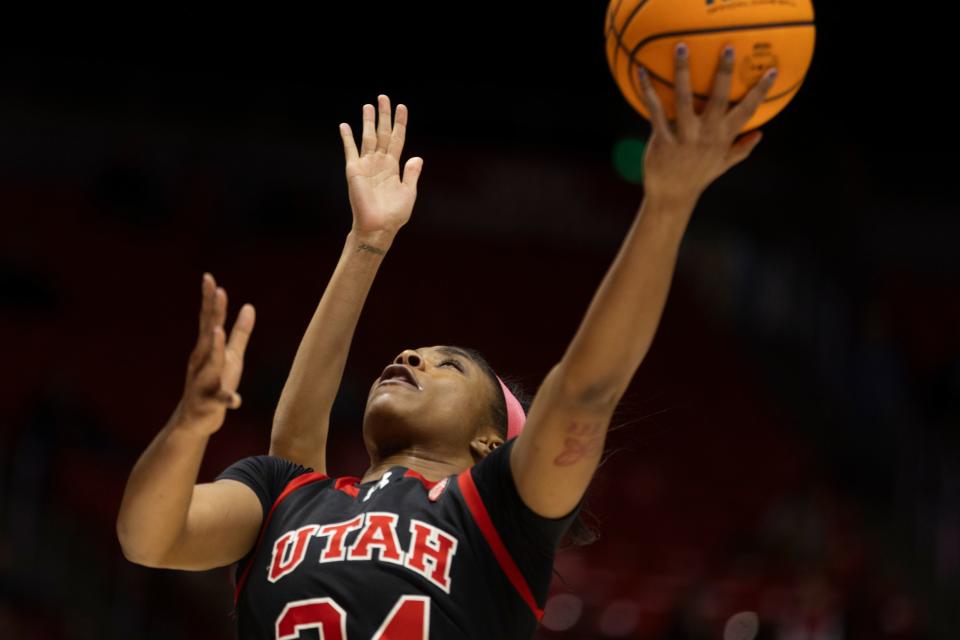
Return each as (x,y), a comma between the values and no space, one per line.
(428,396)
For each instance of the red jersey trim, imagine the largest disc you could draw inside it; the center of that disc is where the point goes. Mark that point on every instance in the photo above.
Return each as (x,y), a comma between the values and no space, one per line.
(429,484)
(293,485)
(480,515)
(347,484)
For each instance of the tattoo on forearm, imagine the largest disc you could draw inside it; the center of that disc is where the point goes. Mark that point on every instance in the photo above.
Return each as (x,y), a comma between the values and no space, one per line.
(369,247)
(583,439)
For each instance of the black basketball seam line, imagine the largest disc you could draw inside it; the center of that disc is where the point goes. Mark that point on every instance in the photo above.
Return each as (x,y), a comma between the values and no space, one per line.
(613,27)
(612,23)
(612,60)
(633,75)
(613,16)
(670,34)
(680,33)
(626,24)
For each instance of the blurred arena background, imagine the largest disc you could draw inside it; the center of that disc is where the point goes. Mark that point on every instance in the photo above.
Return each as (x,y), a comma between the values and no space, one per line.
(790,445)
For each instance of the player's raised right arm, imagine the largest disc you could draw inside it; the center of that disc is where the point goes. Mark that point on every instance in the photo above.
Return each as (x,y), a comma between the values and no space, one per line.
(166,520)
(382,202)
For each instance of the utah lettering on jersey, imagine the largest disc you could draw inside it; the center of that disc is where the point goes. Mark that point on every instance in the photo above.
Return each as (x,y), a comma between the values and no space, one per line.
(429,553)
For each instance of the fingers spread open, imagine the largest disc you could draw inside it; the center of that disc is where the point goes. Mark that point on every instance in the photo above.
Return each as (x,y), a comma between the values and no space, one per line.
(652,102)
(208,369)
(200,350)
(369,137)
(207,288)
(741,114)
(217,353)
(720,100)
(399,132)
(212,377)
(349,145)
(384,125)
(684,93)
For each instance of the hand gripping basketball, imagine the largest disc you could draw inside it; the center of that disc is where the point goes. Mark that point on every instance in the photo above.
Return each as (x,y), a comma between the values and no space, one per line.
(684,156)
(215,365)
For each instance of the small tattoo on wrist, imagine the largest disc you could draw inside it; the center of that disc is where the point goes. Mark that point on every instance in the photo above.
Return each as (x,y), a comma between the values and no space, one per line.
(372,249)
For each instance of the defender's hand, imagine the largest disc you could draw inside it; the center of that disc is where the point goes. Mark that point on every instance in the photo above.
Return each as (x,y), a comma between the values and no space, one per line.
(685,156)
(214,368)
(380,200)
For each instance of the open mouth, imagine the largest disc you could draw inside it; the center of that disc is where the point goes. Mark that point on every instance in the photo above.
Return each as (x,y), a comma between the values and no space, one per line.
(400,374)
(400,382)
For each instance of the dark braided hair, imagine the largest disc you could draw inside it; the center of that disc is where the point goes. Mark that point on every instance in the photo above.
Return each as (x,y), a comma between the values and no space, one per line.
(579,533)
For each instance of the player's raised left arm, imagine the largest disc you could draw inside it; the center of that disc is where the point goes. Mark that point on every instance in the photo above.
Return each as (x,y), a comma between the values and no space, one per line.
(559,448)
(381,201)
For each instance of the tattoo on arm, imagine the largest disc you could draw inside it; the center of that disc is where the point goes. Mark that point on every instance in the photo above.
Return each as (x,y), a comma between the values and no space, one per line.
(372,249)
(583,439)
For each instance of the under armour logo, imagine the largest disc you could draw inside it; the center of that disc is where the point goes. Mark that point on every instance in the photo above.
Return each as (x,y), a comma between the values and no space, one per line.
(383,482)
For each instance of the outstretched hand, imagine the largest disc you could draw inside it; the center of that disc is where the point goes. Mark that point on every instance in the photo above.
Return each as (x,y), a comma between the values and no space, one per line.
(215,365)
(686,155)
(380,199)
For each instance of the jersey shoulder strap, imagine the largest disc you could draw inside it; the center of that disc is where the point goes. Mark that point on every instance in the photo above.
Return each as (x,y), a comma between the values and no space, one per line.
(482,518)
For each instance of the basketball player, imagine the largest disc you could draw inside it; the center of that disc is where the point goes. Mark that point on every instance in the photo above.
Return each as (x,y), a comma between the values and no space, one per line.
(451,530)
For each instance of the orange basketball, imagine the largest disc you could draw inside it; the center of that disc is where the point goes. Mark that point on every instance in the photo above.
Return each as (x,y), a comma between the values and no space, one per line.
(764,34)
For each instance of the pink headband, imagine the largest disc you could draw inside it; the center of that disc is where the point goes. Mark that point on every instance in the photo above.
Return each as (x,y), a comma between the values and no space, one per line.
(515,415)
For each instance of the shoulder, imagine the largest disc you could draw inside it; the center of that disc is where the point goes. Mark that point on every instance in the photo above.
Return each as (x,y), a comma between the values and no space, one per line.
(264,465)
(266,475)
(493,487)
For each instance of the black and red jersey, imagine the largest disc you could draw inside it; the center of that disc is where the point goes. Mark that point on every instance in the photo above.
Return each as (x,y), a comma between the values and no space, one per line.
(396,558)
